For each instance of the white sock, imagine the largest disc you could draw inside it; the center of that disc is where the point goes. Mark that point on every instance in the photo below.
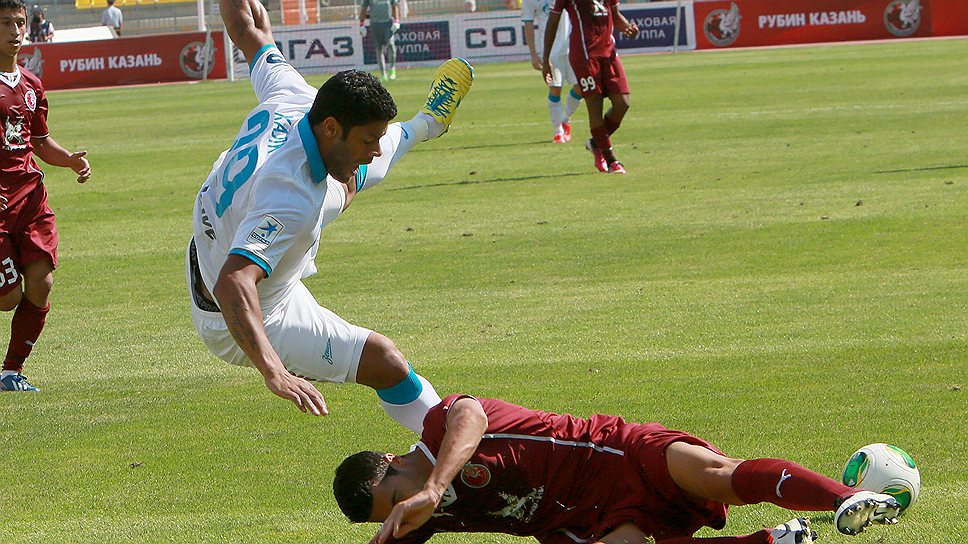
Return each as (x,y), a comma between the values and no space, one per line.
(411,415)
(426,126)
(554,108)
(571,105)
(6,373)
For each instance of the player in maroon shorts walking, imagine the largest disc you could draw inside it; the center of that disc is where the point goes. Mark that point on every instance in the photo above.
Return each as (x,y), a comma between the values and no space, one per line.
(28,234)
(597,67)
(485,465)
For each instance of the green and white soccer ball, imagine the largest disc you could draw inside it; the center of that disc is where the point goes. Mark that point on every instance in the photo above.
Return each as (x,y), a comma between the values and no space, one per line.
(883,468)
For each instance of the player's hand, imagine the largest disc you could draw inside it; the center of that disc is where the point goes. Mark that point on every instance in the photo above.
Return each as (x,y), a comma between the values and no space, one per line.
(536,63)
(408,515)
(299,391)
(362,30)
(631,31)
(80,166)
(546,72)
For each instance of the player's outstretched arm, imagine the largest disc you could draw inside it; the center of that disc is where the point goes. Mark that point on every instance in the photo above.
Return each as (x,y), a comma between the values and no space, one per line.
(466,423)
(622,24)
(247,24)
(54,154)
(235,291)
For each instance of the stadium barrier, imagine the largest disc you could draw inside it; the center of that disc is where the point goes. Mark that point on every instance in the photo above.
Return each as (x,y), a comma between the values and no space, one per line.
(752,23)
(495,36)
(151,59)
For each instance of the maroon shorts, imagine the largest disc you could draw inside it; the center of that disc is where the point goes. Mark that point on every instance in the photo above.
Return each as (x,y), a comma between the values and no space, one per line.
(671,514)
(600,75)
(27,234)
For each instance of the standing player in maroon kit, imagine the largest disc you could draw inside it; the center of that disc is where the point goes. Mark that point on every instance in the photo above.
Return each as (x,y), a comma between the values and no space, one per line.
(484,465)
(28,234)
(597,67)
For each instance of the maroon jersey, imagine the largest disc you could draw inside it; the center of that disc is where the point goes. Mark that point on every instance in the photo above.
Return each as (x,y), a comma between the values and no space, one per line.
(591,21)
(23,111)
(559,478)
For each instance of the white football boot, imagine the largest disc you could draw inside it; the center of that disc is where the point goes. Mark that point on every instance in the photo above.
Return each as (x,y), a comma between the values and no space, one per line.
(863,508)
(795,531)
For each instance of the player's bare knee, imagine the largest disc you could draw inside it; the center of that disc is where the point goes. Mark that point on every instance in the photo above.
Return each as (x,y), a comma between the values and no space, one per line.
(11,300)
(382,364)
(38,290)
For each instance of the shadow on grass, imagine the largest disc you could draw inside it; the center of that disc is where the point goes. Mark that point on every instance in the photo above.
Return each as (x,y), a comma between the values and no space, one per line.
(492,180)
(923,169)
(487,146)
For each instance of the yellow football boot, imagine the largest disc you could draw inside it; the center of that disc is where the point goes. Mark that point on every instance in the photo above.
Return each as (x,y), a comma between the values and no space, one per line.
(451,84)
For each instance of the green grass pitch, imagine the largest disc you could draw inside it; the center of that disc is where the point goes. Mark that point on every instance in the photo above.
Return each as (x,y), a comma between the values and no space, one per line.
(782,272)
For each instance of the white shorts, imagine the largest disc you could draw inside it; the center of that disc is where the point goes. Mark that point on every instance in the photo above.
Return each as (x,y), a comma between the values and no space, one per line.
(312,341)
(561,71)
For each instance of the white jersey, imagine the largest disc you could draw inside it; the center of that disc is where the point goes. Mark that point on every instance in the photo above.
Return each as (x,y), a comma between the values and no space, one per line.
(269,195)
(536,11)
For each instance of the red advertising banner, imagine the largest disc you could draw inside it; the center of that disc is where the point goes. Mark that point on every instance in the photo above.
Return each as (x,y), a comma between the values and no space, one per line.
(950,17)
(750,23)
(126,61)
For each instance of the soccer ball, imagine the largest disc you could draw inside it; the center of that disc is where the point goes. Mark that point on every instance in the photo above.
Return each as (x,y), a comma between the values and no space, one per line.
(883,468)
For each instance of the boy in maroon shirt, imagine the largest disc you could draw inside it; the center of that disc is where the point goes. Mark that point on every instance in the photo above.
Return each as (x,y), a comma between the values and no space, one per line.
(484,465)
(597,67)
(28,234)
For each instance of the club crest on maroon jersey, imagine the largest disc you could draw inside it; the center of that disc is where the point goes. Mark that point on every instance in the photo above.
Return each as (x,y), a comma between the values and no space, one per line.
(476,476)
(30,98)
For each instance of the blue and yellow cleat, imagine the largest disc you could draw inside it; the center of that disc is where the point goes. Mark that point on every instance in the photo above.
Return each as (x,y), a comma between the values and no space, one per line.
(451,84)
(16,382)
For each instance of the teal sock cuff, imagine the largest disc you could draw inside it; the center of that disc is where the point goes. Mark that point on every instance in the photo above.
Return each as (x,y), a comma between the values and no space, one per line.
(573,95)
(553,98)
(405,392)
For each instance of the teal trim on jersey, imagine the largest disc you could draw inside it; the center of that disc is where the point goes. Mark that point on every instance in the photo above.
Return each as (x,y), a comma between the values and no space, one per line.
(554,99)
(254,258)
(311,147)
(405,392)
(259,53)
(361,176)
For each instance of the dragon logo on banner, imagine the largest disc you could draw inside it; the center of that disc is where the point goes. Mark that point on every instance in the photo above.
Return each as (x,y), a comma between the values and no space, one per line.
(902,17)
(197,59)
(32,62)
(722,26)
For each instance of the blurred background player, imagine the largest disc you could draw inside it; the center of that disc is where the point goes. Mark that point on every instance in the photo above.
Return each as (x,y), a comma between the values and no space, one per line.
(301,157)
(384,24)
(598,68)
(41,30)
(534,13)
(28,232)
(488,465)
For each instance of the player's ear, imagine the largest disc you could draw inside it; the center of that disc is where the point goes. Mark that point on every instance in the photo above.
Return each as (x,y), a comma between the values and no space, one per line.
(332,128)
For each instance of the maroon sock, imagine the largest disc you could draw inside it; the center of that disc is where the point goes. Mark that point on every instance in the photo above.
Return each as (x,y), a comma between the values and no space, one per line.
(787,484)
(28,321)
(603,143)
(759,537)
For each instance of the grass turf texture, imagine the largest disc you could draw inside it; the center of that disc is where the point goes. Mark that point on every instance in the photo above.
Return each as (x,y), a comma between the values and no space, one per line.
(782,272)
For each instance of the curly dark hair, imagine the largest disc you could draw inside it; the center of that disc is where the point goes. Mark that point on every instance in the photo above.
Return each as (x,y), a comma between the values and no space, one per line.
(353,98)
(355,478)
(14,5)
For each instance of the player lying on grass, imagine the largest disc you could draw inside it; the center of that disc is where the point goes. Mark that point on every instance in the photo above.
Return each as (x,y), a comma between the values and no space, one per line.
(484,465)
(298,162)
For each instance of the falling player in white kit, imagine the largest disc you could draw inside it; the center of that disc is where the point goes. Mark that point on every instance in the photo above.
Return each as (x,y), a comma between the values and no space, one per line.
(534,14)
(299,160)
